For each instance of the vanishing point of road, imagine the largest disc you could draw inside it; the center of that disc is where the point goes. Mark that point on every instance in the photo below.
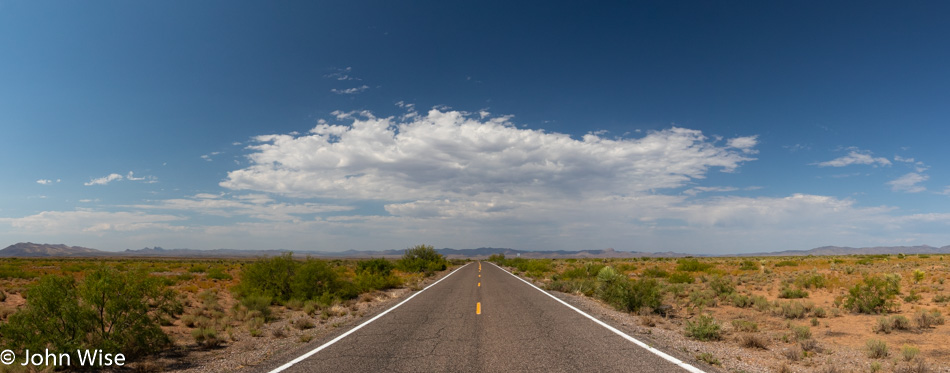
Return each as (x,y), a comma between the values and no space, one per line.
(481,318)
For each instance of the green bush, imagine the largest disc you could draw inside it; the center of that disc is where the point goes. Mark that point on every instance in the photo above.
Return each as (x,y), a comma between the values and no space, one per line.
(626,295)
(790,293)
(314,277)
(741,300)
(259,303)
(745,326)
(681,278)
(8,271)
(722,285)
(108,310)
(877,349)
(271,277)
(749,265)
(787,263)
(705,328)
(655,272)
(692,265)
(811,281)
(927,319)
(375,274)
(874,295)
(422,258)
(218,273)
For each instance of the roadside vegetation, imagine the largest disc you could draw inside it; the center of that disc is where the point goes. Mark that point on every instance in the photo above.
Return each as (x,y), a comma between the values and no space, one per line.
(799,311)
(147,307)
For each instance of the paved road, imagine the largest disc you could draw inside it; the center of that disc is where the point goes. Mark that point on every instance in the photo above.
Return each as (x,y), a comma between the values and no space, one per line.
(483,319)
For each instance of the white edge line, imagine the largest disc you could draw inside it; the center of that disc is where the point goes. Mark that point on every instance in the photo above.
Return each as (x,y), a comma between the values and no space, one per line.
(637,342)
(337,339)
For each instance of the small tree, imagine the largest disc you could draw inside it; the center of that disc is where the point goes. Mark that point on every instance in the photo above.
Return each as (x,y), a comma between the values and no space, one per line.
(422,258)
(108,310)
(875,295)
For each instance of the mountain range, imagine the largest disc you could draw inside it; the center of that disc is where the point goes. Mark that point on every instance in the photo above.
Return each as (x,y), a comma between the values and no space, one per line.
(34,250)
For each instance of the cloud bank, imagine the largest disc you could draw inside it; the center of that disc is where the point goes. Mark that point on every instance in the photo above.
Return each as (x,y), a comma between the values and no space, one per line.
(448,155)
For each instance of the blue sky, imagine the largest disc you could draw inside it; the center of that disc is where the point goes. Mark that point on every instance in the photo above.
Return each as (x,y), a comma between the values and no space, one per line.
(695,127)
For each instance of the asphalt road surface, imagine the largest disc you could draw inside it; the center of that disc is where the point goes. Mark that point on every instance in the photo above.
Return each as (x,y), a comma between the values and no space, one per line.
(482,319)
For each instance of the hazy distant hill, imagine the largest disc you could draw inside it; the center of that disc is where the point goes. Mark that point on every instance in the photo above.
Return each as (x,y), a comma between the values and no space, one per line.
(29,249)
(839,250)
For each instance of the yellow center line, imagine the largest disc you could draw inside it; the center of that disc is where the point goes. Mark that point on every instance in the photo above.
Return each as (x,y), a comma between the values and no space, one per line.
(478,308)
(479,284)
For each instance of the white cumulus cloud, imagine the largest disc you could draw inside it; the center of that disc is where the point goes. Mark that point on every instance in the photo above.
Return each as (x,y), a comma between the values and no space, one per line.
(909,183)
(449,155)
(350,91)
(104,180)
(746,144)
(856,157)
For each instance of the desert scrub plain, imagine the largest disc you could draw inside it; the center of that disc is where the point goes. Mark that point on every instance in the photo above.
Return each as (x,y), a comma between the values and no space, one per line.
(201,315)
(868,313)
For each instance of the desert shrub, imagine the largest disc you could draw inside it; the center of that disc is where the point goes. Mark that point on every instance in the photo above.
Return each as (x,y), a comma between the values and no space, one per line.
(375,274)
(912,297)
(108,310)
(792,293)
(809,345)
(883,325)
(681,278)
(608,275)
(259,303)
(745,326)
(741,300)
(206,336)
(303,323)
(630,296)
(423,259)
(752,340)
(761,303)
(705,328)
(811,281)
(876,349)
(376,265)
(588,270)
(801,332)
(793,354)
(314,278)
(692,265)
(218,273)
(198,268)
(271,277)
(917,366)
(819,312)
(787,263)
(703,298)
(919,275)
(749,265)
(792,310)
(586,286)
(909,352)
(655,272)
(927,319)
(874,295)
(10,271)
(708,358)
(940,298)
(722,285)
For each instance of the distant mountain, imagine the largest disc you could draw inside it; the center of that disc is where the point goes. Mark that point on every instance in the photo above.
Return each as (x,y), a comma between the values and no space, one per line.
(33,250)
(877,250)
(29,249)
(485,252)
